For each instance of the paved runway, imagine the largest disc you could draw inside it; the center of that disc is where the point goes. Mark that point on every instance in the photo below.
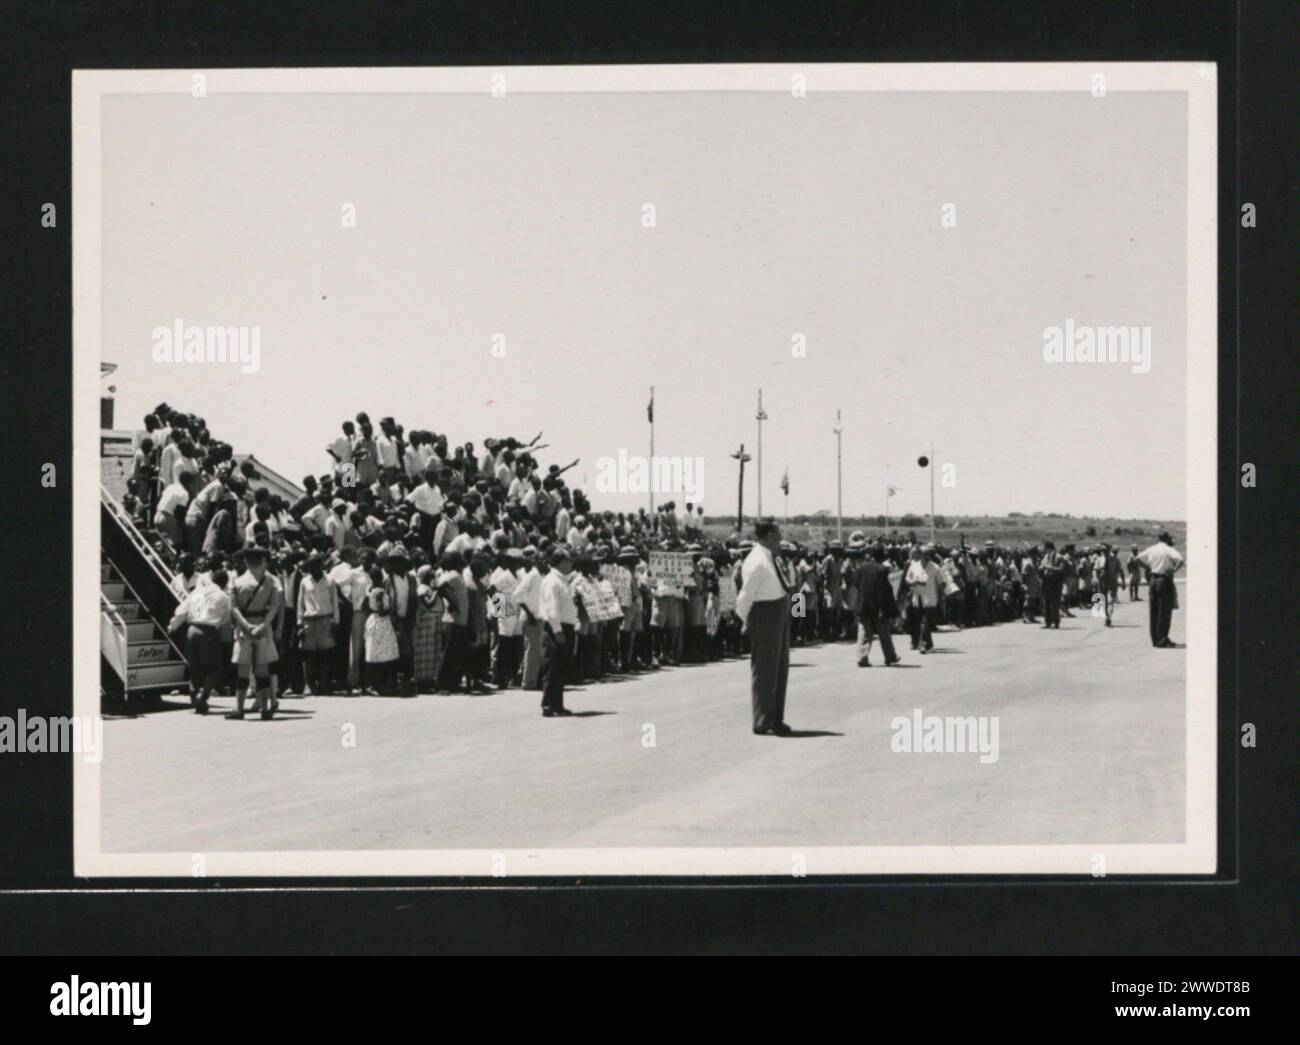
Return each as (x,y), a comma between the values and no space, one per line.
(1091,749)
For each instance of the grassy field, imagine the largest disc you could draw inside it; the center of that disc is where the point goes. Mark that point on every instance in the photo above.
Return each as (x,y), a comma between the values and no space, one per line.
(1031,529)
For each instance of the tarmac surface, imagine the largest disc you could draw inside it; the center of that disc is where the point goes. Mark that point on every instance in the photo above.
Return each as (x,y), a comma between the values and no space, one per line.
(1090,728)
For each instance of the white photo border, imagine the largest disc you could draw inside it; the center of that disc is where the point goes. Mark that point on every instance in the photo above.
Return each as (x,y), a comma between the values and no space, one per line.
(1196,855)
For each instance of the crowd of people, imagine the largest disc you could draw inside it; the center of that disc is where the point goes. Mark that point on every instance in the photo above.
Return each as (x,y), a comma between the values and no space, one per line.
(413,566)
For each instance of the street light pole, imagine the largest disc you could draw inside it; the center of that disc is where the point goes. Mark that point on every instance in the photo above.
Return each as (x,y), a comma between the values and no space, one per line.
(742,457)
(760,417)
(931,491)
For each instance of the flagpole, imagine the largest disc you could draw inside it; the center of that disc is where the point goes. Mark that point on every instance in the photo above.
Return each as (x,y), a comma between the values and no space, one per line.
(760,453)
(652,452)
(839,478)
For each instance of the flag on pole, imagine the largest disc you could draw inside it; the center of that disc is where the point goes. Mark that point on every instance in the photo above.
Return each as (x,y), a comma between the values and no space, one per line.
(762,414)
(892,490)
(650,408)
(785,483)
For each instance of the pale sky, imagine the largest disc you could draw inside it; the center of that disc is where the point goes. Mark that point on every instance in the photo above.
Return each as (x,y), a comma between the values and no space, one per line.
(775,216)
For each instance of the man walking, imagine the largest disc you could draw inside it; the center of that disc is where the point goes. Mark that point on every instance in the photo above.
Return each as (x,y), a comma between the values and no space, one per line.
(763,606)
(875,607)
(925,588)
(1163,561)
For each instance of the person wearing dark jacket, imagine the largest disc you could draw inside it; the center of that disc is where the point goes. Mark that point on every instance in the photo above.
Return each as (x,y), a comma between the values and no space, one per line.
(874,607)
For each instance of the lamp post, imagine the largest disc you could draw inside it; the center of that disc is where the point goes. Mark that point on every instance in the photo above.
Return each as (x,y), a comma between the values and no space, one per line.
(742,457)
(928,462)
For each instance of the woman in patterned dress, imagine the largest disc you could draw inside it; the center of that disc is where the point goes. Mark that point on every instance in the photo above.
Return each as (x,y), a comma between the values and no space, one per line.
(429,636)
(381,638)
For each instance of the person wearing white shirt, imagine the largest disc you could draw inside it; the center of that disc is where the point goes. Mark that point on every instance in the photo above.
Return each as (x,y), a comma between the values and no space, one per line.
(204,612)
(338,527)
(528,597)
(559,619)
(577,536)
(340,450)
(386,449)
(428,501)
(763,606)
(506,654)
(172,500)
(353,583)
(1162,561)
(924,581)
(413,461)
(315,517)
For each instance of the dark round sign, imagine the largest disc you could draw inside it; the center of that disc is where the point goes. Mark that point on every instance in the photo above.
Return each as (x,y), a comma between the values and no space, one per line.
(923,461)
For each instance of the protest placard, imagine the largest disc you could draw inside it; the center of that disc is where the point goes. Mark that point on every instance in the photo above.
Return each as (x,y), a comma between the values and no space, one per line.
(726,593)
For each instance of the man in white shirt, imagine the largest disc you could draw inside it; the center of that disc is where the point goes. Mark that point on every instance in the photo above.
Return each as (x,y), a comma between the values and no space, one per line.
(204,612)
(563,520)
(340,450)
(428,501)
(1162,561)
(338,527)
(559,620)
(924,582)
(386,444)
(528,597)
(352,583)
(763,606)
(507,653)
(174,498)
(315,517)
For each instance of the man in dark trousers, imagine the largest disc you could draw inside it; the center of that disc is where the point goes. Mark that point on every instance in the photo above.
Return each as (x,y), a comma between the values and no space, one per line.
(1052,570)
(763,606)
(875,607)
(559,618)
(1162,561)
(1134,575)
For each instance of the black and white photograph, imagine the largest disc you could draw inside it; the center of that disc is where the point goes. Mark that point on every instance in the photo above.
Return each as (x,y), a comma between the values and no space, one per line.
(773,469)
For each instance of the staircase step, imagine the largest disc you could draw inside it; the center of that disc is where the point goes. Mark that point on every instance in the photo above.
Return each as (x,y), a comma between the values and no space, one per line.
(106,571)
(170,672)
(139,630)
(114,591)
(148,651)
(129,610)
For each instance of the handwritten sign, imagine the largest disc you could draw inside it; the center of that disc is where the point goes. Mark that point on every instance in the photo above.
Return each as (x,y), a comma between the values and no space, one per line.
(621,579)
(726,593)
(598,599)
(674,568)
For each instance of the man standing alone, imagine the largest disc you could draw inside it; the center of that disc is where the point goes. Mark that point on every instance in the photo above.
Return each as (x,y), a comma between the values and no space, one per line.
(1052,571)
(763,606)
(1163,561)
